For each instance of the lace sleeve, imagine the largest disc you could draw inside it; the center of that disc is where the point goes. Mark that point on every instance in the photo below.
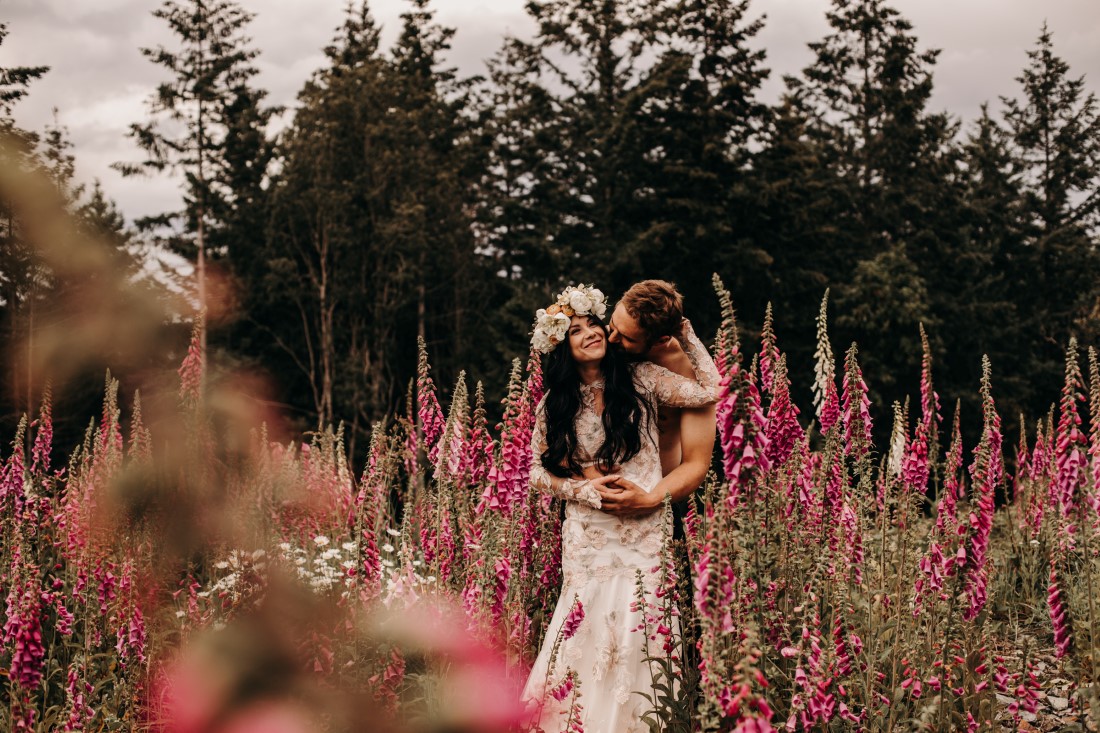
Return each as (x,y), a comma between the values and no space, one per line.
(564,488)
(701,362)
(671,389)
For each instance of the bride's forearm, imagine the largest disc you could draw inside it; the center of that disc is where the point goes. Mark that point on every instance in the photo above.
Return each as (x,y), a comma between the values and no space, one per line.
(591,472)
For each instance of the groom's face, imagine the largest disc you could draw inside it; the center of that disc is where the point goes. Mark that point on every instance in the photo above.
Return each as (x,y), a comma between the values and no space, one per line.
(623,331)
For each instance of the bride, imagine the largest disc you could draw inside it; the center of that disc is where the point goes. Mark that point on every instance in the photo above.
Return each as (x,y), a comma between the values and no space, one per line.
(599,410)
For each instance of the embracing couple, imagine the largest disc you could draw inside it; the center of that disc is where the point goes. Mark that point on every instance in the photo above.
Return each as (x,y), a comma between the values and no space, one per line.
(627,419)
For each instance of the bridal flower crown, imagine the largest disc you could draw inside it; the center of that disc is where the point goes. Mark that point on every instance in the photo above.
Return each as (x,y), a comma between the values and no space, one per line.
(551,324)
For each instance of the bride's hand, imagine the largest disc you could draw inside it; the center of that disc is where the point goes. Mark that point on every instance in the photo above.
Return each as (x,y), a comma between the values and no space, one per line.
(624,498)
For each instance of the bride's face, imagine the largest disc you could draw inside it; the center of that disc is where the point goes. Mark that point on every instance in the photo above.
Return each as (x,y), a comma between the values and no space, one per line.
(587,342)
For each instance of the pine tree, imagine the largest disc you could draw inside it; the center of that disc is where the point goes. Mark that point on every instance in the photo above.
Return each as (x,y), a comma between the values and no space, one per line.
(865,97)
(21,270)
(1054,127)
(522,185)
(696,115)
(984,269)
(371,240)
(427,153)
(15,82)
(206,122)
(321,231)
(606,46)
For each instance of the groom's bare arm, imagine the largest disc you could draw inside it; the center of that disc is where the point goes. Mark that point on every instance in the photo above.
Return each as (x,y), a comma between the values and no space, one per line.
(697,432)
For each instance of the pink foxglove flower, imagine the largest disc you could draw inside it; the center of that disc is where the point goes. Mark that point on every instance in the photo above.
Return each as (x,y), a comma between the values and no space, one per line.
(783,431)
(857,409)
(43,439)
(13,476)
(503,570)
(23,624)
(1059,615)
(478,458)
(191,370)
(769,354)
(78,693)
(1094,431)
(826,400)
(987,472)
(428,411)
(1071,447)
(563,690)
(946,517)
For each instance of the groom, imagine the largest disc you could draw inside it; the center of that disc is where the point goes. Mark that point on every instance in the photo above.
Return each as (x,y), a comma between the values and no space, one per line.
(646,324)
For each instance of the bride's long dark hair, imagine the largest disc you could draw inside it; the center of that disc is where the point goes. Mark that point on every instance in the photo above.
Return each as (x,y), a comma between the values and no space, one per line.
(624,408)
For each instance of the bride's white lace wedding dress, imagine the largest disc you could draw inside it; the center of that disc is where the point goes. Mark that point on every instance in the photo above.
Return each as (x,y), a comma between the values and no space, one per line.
(601,555)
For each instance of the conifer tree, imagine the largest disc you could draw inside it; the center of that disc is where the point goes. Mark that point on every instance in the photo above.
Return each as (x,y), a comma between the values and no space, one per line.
(697,114)
(866,96)
(983,269)
(371,240)
(321,231)
(1054,133)
(206,122)
(606,45)
(522,186)
(21,272)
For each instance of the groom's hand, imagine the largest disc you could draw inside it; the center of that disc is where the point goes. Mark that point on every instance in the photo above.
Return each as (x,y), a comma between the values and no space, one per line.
(624,498)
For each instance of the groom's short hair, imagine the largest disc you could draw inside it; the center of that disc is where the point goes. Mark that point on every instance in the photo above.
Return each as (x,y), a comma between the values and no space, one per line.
(656,305)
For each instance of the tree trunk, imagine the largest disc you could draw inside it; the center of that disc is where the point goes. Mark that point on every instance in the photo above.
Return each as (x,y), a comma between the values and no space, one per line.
(327,342)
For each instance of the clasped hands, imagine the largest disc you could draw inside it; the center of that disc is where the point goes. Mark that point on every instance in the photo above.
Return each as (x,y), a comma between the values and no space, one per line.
(620,496)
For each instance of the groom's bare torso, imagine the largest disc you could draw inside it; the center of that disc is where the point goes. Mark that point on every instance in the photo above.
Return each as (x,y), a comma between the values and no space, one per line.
(671,356)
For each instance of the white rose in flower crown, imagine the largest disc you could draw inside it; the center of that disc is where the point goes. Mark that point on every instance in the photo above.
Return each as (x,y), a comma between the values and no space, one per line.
(541,341)
(580,302)
(560,326)
(599,302)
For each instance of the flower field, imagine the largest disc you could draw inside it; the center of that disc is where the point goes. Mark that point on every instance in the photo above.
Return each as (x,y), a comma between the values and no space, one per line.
(184,572)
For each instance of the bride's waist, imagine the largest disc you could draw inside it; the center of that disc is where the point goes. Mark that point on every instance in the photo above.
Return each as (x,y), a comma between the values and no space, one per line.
(645,478)
(591,516)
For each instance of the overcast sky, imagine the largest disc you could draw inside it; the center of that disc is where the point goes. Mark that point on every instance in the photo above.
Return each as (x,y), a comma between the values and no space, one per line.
(99,81)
